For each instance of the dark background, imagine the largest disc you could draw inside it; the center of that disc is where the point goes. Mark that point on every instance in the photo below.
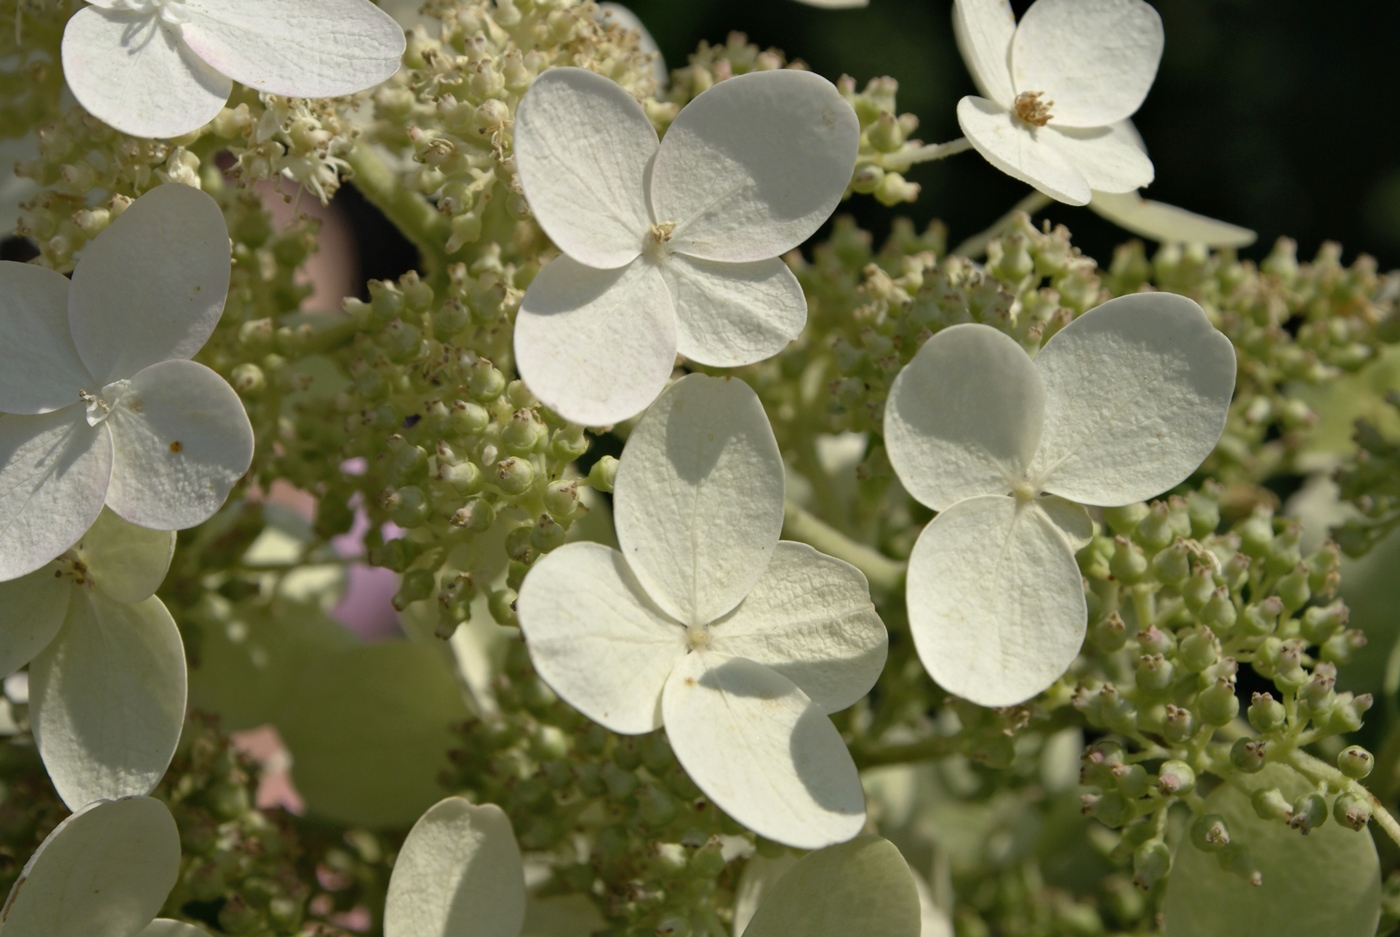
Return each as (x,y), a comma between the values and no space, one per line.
(1274,114)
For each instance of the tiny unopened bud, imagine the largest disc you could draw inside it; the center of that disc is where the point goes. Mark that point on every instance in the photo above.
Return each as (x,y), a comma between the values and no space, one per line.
(469,418)
(408,506)
(1218,703)
(1151,862)
(1237,860)
(1248,755)
(1128,563)
(1154,673)
(1175,777)
(1309,811)
(1320,623)
(546,535)
(1199,589)
(417,585)
(603,474)
(1355,762)
(1270,804)
(561,497)
(484,382)
(1122,520)
(1172,566)
(1153,640)
(1209,833)
(1178,723)
(1352,810)
(1199,649)
(1154,532)
(477,515)
(1265,713)
(514,475)
(1261,618)
(1293,589)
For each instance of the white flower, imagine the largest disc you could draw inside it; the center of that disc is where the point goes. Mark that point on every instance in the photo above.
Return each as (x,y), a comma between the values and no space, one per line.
(1125,402)
(673,246)
(739,643)
(106,664)
(98,401)
(105,871)
(1056,89)
(162,68)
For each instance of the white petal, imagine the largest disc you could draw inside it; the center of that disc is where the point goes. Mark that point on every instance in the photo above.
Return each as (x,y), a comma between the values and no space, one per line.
(103,872)
(596,638)
(54,473)
(1096,59)
(1014,147)
(40,370)
(996,605)
(129,71)
(459,874)
(1159,221)
(34,609)
(860,887)
(759,876)
(1072,520)
(152,285)
(1108,162)
(1136,396)
(698,500)
(983,30)
(734,314)
(964,416)
(582,147)
(165,927)
(617,14)
(306,49)
(596,346)
(762,751)
(752,167)
(181,440)
(126,561)
(809,618)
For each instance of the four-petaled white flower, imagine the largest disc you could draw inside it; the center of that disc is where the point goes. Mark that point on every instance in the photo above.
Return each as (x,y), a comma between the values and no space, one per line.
(98,400)
(1057,89)
(739,643)
(106,665)
(105,871)
(1125,402)
(162,68)
(669,247)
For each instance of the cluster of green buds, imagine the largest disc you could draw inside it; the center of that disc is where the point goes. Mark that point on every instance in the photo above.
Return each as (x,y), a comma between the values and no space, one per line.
(1370,481)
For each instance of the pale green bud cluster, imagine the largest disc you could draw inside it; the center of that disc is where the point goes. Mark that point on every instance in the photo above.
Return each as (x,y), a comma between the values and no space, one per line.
(1370,480)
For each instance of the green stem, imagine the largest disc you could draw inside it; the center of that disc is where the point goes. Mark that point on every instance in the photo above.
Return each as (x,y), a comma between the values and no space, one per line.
(902,160)
(426,227)
(883,573)
(937,746)
(1319,770)
(976,245)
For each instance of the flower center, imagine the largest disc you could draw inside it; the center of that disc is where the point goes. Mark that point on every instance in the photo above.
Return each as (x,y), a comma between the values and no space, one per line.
(1031,109)
(654,243)
(171,12)
(99,405)
(1023,492)
(72,567)
(697,636)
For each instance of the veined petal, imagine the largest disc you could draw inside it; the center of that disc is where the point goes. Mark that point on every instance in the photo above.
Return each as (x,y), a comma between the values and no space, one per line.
(130,71)
(181,440)
(107,699)
(762,751)
(860,887)
(583,146)
(165,927)
(996,604)
(1106,160)
(983,30)
(1072,520)
(809,618)
(459,874)
(596,346)
(1168,224)
(1136,396)
(596,638)
(734,314)
(1015,148)
(54,473)
(34,609)
(152,285)
(103,872)
(307,49)
(1096,59)
(40,370)
(125,561)
(753,166)
(964,416)
(698,500)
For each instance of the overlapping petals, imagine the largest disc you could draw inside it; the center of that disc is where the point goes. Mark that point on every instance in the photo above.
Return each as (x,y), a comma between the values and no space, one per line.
(1056,87)
(1122,404)
(97,402)
(165,68)
(738,643)
(692,227)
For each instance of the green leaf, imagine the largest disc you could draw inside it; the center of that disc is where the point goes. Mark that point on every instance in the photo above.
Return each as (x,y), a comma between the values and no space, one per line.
(369,731)
(1326,884)
(860,887)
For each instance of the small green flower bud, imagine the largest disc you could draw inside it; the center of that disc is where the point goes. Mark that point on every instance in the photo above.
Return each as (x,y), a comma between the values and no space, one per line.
(484,382)
(1122,520)
(1111,809)
(1265,713)
(1199,589)
(561,497)
(248,379)
(1248,755)
(1270,804)
(1128,563)
(1116,711)
(867,178)
(1132,780)
(1151,862)
(1204,512)
(1345,715)
(514,475)
(385,299)
(1293,589)
(1172,566)
(1309,811)
(408,506)
(1179,724)
(408,465)
(518,546)
(477,515)
(1351,810)
(524,433)
(1324,567)
(603,474)
(569,442)
(1154,673)
(1319,693)
(1111,633)
(1256,533)
(1153,640)
(417,585)
(469,418)
(1199,649)
(674,925)
(1340,647)
(502,607)
(1098,761)
(1237,860)
(1218,703)
(655,807)
(1284,553)
(886,135)
(1320,623)
(401,342)
(395,555)
(464,477)
(1261,618)
(1154,532)
(1175,777)
(1210,833)
(1355,762)
(1219,612)
(546,535)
